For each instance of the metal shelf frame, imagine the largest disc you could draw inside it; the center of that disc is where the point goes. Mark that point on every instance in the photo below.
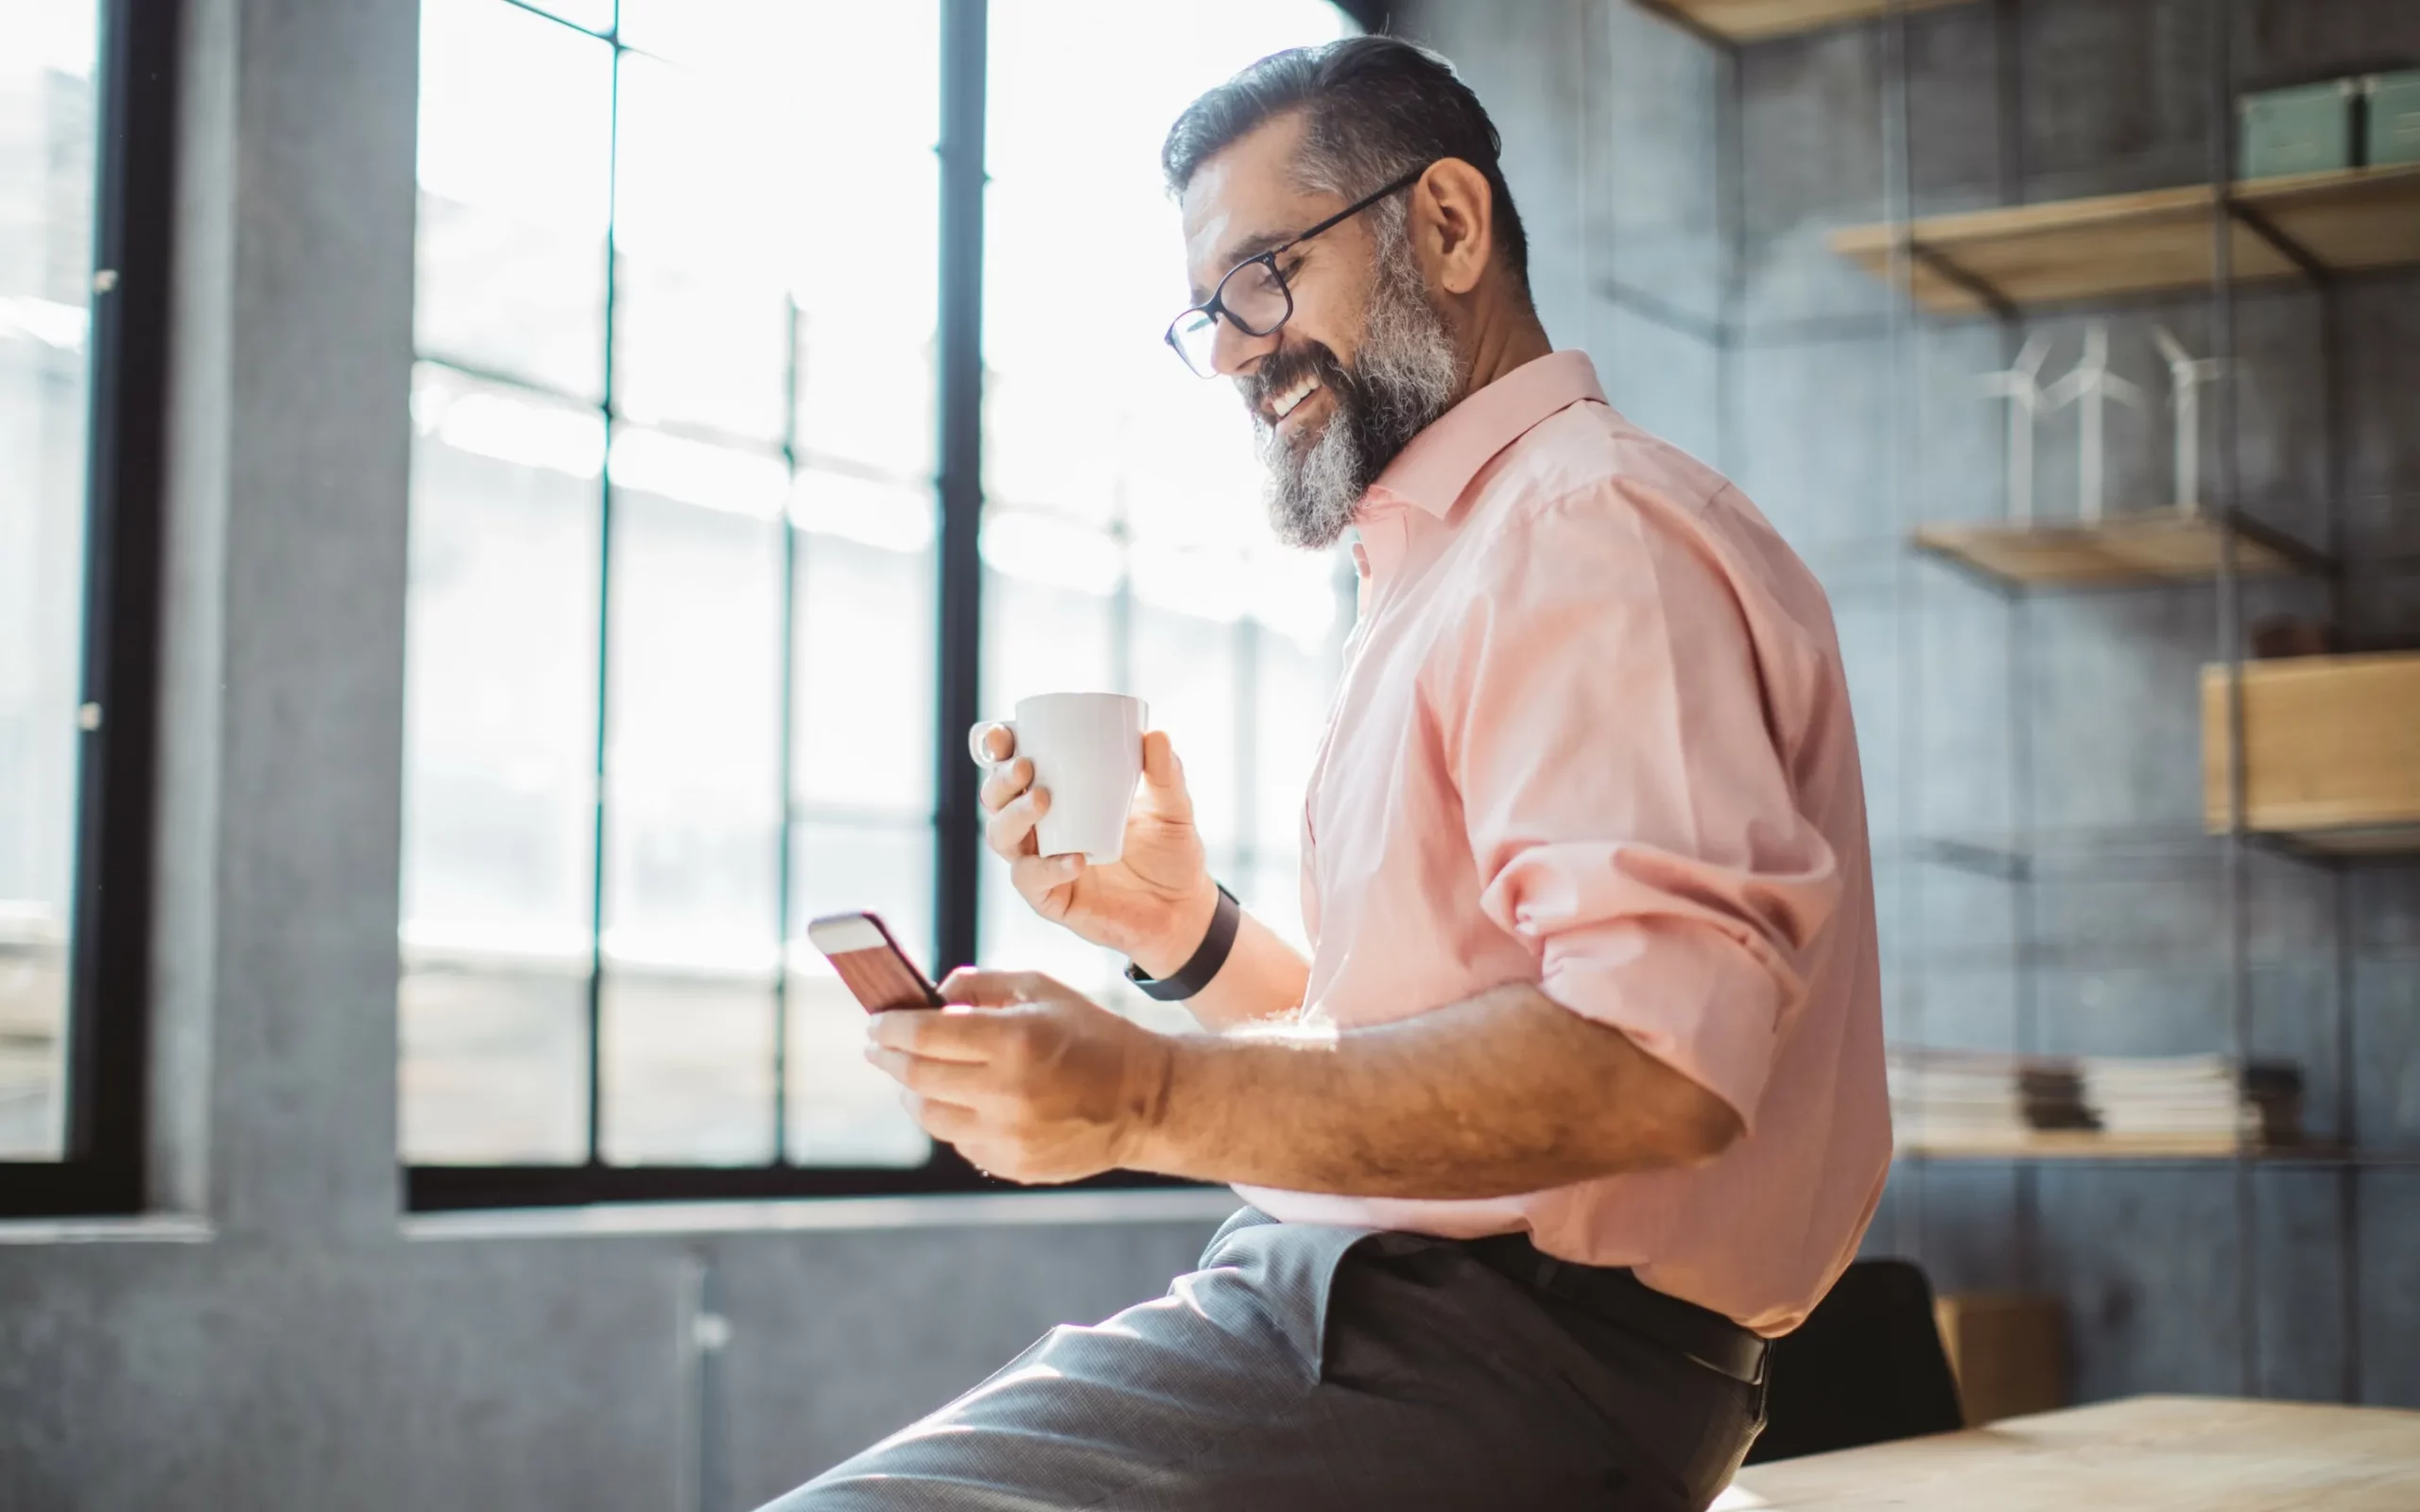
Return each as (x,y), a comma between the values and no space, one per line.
(2015,857)
(2234,533)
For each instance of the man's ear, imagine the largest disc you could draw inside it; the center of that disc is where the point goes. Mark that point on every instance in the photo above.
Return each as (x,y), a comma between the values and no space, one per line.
(1453,226)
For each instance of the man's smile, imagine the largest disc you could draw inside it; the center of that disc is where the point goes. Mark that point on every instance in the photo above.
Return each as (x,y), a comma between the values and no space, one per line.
(1282,407)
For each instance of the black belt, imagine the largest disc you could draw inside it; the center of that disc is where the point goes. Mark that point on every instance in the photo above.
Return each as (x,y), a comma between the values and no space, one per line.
(1623,1299)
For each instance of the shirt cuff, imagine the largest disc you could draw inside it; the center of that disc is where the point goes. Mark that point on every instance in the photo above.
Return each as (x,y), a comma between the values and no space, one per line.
(1686,993)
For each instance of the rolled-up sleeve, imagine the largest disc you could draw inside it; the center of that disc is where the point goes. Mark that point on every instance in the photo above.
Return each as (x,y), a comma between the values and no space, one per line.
(1627,794)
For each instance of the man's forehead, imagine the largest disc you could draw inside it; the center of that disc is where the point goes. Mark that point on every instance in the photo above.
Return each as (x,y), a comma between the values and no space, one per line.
(1244,197)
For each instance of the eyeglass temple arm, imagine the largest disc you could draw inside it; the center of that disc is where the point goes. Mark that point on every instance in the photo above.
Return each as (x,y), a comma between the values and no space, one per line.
(1348,212)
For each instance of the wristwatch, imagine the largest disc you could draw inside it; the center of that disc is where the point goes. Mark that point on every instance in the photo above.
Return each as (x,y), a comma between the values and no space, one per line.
(1196,974)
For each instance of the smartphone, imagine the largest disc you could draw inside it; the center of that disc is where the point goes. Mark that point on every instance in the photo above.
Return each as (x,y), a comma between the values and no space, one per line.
(871,963)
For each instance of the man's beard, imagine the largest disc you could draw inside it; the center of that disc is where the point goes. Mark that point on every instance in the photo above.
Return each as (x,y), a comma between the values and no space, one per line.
(1403,378)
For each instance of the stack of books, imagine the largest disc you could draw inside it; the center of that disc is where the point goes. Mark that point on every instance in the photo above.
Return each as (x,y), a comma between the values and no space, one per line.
(1957,1102)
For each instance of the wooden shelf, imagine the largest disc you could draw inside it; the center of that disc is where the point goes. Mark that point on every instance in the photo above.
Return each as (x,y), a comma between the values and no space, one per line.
(2125,548)
(1762,20)
(2350,843)
(2331,753)
(2340,221)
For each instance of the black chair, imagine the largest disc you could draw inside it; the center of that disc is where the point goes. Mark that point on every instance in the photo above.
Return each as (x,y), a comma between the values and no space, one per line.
(1865,1367)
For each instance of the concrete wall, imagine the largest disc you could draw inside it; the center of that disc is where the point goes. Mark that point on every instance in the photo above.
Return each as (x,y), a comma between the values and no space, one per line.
(1680,196)
(281,1337)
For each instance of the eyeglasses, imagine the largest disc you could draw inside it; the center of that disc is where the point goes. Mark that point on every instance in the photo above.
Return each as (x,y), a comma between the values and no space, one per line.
(1253,297)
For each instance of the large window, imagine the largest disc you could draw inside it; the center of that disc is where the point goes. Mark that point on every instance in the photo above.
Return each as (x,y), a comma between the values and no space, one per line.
(674,652)
(82,264)
(47,125)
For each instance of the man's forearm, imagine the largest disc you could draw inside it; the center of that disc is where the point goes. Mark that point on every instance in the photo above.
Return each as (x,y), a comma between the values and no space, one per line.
(1504,1092)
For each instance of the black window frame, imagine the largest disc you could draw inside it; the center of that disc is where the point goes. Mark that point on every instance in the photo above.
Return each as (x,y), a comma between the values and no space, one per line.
(101,1168)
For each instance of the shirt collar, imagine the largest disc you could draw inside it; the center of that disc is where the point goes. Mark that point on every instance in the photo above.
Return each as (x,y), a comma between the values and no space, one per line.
(1440,461)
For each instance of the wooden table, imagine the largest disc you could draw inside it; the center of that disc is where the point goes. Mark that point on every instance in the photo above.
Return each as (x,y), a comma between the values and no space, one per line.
(2174,1453)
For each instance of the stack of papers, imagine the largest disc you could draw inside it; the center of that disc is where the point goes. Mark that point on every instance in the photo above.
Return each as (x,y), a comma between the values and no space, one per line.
(1955,1102)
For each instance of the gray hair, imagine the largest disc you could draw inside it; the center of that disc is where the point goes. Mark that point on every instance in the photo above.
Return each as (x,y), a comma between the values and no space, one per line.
(1374,108)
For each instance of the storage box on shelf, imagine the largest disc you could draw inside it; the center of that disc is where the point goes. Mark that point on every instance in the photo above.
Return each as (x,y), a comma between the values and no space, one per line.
(2007,1349)
(2393,130)
(2331,752)
(2307,128)
(2153,242)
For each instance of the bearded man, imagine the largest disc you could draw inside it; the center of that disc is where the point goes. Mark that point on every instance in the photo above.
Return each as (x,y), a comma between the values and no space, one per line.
(1577,1101)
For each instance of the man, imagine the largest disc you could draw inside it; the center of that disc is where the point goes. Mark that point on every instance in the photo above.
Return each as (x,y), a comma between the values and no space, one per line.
(1578,1099)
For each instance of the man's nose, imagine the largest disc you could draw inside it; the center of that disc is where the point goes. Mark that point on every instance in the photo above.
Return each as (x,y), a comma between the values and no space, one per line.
(1233,351)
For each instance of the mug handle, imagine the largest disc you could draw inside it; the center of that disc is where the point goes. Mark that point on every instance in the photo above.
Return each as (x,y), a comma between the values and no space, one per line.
(975,739)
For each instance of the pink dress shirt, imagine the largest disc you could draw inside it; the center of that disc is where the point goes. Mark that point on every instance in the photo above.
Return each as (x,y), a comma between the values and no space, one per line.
(1594,734)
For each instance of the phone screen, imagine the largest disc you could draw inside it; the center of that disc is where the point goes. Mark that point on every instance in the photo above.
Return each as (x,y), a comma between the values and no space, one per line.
(876,970)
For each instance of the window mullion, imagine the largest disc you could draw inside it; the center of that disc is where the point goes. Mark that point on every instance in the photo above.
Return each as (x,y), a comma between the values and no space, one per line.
(964,61)
(788,852)
(604,624)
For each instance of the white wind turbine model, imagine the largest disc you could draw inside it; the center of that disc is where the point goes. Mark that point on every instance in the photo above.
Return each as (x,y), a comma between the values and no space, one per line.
(2186,373)
(2091,384)
(2021,385)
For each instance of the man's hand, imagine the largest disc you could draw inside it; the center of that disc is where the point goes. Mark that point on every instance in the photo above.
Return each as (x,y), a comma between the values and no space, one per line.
(1154,903)
(1029,1080)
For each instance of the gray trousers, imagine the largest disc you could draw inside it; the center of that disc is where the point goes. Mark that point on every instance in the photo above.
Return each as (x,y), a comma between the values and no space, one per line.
(1305,1367)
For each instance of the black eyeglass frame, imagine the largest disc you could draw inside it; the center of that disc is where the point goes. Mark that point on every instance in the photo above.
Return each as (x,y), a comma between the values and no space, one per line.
(1215,305)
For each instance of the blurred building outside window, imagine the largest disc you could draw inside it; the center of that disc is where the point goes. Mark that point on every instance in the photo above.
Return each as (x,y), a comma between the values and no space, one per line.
(695,495)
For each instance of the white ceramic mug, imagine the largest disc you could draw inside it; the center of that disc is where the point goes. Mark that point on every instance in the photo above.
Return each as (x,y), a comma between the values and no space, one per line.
(1087,749)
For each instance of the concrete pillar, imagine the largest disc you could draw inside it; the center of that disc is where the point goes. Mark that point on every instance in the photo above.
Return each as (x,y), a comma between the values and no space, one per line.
(281,767)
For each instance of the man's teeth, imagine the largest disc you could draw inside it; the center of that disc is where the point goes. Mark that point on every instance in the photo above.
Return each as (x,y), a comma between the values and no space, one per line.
(1285,403)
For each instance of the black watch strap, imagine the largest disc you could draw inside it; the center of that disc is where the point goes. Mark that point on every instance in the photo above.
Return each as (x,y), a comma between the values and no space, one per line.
(1196,974)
